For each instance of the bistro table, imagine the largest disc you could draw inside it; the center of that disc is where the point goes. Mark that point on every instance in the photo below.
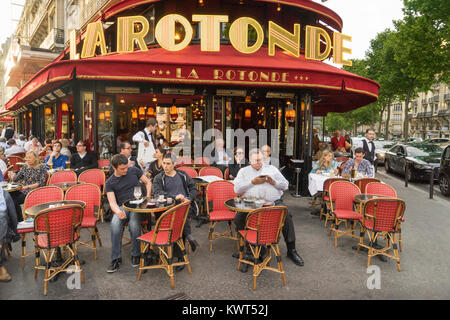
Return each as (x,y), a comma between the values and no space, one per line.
(316,181)
(362,198)
(11,187)
(147,206)
(33,211)
(244,206)
(66,185)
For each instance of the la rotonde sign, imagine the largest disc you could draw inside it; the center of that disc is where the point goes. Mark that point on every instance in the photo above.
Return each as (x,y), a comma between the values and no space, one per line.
(318,43)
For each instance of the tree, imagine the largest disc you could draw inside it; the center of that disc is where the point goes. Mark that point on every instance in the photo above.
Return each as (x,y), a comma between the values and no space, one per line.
(419,53)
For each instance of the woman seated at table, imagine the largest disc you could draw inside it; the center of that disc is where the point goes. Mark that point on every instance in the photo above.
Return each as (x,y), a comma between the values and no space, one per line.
(155,167)
(326,164)
(3,166)
(239,162)
(32,175)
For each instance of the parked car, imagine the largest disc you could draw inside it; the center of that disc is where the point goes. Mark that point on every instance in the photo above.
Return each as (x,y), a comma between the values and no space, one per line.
(444,172)
(439,141)
(421,157)
(381,147)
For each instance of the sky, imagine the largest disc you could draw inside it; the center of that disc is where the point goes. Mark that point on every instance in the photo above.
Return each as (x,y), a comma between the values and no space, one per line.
(363,19)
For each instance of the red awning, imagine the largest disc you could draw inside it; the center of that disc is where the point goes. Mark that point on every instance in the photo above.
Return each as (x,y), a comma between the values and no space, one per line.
(7,118)
(337,90)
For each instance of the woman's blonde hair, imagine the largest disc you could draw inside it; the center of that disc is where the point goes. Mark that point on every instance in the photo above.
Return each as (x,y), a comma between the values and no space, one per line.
(35,155)
(322,159)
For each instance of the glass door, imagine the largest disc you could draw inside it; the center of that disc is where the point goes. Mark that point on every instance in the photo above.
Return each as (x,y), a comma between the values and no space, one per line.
(105,127)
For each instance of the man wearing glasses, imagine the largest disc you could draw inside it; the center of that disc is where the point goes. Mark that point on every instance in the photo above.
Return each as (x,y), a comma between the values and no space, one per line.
(266,152)
(125,149)
(266,181)
(83,160)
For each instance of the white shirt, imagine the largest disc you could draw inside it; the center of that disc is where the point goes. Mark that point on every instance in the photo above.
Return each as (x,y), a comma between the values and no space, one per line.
(140,137)
(14,149)
(220,155)
(3,166)
(243,183)
(20,143)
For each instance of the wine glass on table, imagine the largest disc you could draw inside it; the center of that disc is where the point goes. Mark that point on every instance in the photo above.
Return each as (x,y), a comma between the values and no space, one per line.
(137,192)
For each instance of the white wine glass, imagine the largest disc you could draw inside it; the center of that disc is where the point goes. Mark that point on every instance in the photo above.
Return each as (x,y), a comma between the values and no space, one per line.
(137,192)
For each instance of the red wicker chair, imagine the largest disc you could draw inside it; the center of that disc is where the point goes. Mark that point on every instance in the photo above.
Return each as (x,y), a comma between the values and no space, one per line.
(380,189)
(226,174)
(362,183)
(191,172)
(210,171)
(202,160)
(262,228)
(53,228)
(183,161)
(167,233)
(91,195)
(382,217)
(63,176)
(97,177)
(386,190)
(102,163)
(326,205)
(342,195)
(13,162)
(35,197)
(217,193)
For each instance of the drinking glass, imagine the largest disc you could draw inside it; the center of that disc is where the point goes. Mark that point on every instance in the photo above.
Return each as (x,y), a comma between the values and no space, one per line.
(137,192)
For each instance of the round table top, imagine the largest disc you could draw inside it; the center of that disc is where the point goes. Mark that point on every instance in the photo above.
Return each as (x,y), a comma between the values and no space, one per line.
(34,210)
(11,187)
(364,197)
(244,206)
(147,206)
(200,182)
(65,185)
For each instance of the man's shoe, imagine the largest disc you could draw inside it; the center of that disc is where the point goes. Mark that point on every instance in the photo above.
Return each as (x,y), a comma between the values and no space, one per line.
(382,258)
(113,266)
(295,257)
(135,260)
(243,268)
(194,244)
(4,275)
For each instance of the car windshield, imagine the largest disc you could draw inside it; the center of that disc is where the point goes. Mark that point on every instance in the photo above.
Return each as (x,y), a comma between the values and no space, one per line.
(429,150)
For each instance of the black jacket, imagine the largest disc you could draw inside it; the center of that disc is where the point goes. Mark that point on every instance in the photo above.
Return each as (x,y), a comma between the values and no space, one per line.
(234,168)
(88,162)
(159,187)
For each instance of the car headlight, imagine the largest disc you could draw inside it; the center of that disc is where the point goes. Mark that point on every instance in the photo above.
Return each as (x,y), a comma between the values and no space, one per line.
(421,166)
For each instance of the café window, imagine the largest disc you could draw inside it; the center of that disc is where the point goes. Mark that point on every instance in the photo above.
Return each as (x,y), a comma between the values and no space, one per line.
(50,115)
(105,130)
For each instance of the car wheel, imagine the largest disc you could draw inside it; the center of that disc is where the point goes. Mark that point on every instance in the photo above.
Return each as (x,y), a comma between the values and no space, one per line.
(444,185)
(387,166)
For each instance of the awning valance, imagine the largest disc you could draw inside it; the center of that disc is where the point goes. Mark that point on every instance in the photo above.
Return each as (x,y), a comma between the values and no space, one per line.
(337,90)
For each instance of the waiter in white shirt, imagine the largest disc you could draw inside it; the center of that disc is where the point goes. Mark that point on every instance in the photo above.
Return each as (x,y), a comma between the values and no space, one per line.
(368,146)
(147,136)
(265,181)
(266,152)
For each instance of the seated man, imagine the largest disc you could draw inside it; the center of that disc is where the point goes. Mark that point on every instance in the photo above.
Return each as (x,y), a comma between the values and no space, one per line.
(8,222)
(257,180)
(83,160)
(362,166)
(179,186)
(56,159)
(125,149)
(120,188)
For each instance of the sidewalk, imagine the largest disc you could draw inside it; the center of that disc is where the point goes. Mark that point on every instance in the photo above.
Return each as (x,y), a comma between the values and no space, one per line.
(329,272)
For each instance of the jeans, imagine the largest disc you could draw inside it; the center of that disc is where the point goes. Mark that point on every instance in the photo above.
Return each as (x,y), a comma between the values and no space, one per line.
(3,232)
(134,226)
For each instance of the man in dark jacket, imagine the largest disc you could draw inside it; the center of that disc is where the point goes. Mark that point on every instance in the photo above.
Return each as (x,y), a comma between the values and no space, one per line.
(83,160)
(179,186)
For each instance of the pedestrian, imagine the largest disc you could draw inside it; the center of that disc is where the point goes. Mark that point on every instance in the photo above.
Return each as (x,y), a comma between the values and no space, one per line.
(338,142)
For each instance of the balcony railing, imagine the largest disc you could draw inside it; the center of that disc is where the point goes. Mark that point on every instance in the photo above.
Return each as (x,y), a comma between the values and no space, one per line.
(90,9)
(54,39)
(428,114)
(436,99)
(424,101)
(41,12)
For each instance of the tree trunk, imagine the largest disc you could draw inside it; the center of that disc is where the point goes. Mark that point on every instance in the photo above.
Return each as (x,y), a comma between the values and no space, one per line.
(381,120)
(388,118)
(406,123)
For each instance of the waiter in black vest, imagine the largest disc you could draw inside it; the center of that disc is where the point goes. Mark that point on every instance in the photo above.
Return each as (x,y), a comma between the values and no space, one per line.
(147,135)
(369,147)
